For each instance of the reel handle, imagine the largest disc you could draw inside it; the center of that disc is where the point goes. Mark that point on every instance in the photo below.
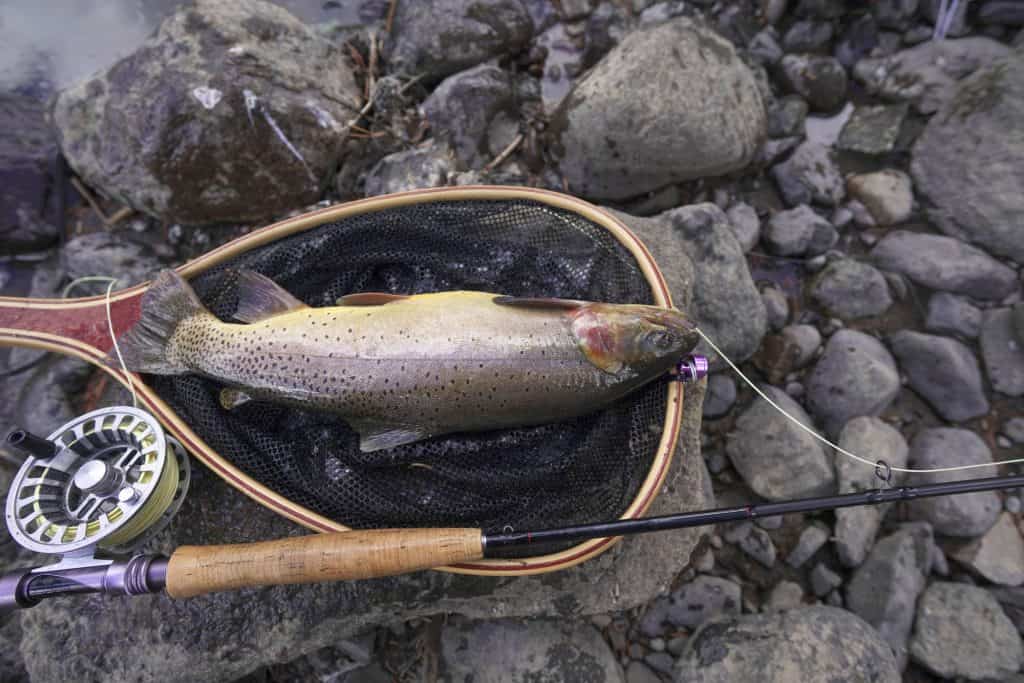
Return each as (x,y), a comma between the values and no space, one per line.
(195,570)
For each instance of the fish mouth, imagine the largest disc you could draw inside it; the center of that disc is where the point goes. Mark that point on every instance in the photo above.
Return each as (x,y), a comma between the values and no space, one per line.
(676,322)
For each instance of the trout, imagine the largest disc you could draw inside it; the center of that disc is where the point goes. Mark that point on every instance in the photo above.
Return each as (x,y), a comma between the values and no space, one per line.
(399,368)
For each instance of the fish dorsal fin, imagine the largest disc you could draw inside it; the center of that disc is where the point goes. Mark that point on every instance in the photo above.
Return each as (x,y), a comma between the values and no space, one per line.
(540,302)
(260,298)
(376,436)
(370,299)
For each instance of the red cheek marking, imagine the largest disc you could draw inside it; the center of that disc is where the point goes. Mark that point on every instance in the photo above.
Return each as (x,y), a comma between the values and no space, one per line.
(597,340)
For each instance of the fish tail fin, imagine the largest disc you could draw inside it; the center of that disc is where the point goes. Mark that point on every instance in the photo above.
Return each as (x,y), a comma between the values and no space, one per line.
(146,346)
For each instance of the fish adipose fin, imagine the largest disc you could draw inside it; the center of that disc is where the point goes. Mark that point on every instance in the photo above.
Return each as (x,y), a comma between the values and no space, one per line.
(376,436)
(533,302)
(260,298)
(370,299)
(232,398)
(168,301)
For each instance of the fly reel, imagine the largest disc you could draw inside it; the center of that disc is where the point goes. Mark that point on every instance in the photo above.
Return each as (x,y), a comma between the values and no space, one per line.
(106,482)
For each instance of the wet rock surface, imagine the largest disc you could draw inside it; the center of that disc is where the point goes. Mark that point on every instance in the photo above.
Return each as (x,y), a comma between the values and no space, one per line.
(951,314)
(776,647)
(810,175)
(799,231)
(1002,350)
(171,130)
(703,129)
(850,289)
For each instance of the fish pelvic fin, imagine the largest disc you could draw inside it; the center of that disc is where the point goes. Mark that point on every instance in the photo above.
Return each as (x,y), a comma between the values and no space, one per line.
(232,398)
(146,347)
(260,298)
(377,436)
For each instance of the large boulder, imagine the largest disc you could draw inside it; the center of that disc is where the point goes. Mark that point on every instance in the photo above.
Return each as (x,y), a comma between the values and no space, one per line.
(223,636)
(525,650)
(684,87)
(969,161)
(233,111)
(437,38)
(810,644)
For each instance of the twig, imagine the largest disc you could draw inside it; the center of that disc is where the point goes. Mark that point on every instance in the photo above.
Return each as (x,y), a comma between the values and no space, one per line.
(505,153)
(391,16)
(87,196)
(120,215)
(411,82)
(371,80)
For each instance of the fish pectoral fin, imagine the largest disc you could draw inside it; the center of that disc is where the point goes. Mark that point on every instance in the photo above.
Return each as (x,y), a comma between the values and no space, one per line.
(370,299)
(536,302)
(260,298)
(232,398)
(376,436)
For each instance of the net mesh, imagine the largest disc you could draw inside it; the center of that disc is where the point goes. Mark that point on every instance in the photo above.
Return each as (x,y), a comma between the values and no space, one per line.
(582,470)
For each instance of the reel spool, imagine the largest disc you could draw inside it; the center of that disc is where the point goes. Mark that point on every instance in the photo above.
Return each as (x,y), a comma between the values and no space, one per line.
(108,480)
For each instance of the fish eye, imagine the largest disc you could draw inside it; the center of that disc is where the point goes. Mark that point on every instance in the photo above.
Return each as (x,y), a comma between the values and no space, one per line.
(662,339)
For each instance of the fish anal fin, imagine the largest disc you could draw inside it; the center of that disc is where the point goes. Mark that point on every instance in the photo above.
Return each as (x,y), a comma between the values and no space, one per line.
(260,298)
(370,299)
(232,398)
(540,302)
(377,436)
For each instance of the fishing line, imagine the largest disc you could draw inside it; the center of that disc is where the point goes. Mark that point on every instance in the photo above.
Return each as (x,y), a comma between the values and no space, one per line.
(854,456)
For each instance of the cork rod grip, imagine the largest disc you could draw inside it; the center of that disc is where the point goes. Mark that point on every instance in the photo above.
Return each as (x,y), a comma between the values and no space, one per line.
(195,570)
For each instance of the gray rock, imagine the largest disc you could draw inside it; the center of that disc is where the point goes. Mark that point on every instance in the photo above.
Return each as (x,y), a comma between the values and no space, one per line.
(123,255)
(725,301)
(945,264)
(660,662)
(927,74)
(1014,428)
(720,396)
(1003,352)
(638,672)
(952,314)
(873,129)
(772,151)
(969,161)
(805,339)
(818,79)
(754,542)
(884,590)
(1001,12)
(702,130)
(894,14)
(856,527)
(703,598)
(987,645)
(478,111)
(171,131)
(746,226)
(943,371)
(786,117)
(776,307)
(998,556)
(1012,504)
(777,459)
(223,636)
(810,644)
(808,35)
(799,231)
(765,47)
(786,595)
(27,146)
(824,580)
(970,514)
(440,38)
(810,175)
(667,246)
(886,194)
(850,289)
(427,165)
(652,624)
(855,376)
(811,540)
(521,650)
